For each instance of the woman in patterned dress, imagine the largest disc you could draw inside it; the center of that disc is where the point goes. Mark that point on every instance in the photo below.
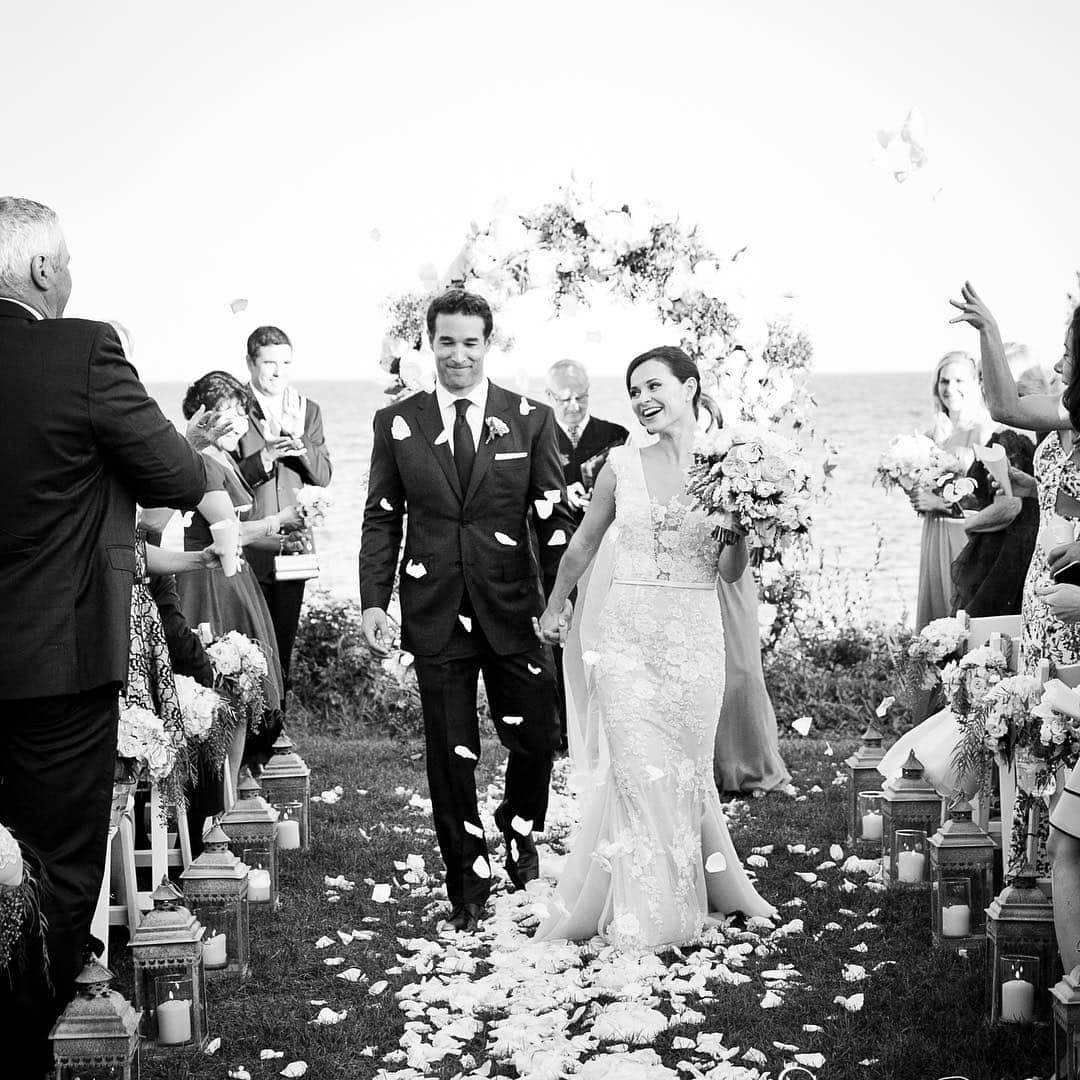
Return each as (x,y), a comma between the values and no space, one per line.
(1057,477)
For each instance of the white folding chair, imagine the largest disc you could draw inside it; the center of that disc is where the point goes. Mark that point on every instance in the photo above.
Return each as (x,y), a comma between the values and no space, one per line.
(1069,674)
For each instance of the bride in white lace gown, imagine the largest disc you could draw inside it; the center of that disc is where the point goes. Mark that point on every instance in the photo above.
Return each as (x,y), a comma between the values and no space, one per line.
(653,857)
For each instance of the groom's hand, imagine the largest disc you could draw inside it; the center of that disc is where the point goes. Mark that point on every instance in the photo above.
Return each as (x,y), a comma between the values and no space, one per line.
(375,627)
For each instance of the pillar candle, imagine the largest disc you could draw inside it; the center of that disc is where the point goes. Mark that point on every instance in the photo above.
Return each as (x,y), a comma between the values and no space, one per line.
(955,920)
(288,834)
(258,885)
(909,866)
(174,1021)
(1017,1001)
(871,827)
(214,952)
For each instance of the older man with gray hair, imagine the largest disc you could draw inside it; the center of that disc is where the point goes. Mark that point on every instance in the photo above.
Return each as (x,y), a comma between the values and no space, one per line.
(83,443)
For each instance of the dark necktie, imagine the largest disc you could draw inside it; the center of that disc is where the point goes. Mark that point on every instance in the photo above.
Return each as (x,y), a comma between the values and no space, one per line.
(464,447)
(574,432)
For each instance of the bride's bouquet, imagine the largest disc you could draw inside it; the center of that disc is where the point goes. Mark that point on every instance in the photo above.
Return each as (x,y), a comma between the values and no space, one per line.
(241,668)
(916,460)
(313,504)
(756,482)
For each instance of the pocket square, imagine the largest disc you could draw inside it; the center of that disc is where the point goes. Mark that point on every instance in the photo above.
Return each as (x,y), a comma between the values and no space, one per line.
(511,455)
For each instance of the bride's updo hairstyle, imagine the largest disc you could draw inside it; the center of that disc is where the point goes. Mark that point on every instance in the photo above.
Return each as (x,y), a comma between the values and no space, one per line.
(683,368)
(214,391)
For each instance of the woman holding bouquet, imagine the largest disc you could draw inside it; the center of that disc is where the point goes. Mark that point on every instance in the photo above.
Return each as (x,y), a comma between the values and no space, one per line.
(653,857)
(962,422)
(236,602)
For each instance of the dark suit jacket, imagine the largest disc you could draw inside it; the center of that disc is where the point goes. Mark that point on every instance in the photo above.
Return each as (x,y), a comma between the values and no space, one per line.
(277,490)
(82,443)
(597,436)
(452,540)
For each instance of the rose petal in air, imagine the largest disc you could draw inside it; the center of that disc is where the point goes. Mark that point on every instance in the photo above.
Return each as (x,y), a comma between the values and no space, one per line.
(558,539)
(505,540)
(543,509)
(716,863)
(466,622)
(466,753)
(521,825)
(481,867)
(473,830)
(513,721)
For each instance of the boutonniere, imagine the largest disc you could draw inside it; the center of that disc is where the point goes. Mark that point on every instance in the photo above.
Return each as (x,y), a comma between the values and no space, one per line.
(495,428)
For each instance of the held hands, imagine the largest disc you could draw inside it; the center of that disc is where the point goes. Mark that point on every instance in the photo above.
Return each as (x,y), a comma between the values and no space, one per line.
(289,519)
(974,311)
(553,626)
(577,496)
(208,557)
(377,631)
(1062,600)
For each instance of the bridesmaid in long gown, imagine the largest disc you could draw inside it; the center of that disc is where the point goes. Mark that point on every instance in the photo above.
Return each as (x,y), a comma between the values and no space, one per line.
(961,423)
(747,751)
(653,857)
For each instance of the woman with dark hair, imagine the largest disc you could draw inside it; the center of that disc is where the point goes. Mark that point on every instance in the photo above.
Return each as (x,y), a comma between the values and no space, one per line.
(1044,632)
(961,422)
(653,857)
(208,596)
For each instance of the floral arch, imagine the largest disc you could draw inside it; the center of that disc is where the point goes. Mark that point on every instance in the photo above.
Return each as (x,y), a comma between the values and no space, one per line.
(563,257)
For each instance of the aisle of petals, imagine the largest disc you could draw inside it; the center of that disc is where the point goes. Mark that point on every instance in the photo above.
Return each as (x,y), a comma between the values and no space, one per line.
(496,1003)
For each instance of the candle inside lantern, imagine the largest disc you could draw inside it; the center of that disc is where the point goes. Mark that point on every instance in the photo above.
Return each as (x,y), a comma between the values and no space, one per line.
(955,920)
(871,826)
(214,952)
(174,1021)
(1017,1000)
(910,866)
(288,834)
(258,884)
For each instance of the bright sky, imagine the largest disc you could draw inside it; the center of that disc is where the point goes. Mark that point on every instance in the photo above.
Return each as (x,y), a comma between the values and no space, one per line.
(207,151)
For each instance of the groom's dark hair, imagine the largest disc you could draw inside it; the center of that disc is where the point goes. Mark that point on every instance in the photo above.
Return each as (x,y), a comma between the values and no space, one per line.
(459,302)
(265,335)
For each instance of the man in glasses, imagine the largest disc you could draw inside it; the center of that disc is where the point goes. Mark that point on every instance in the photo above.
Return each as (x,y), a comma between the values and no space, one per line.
(584,442)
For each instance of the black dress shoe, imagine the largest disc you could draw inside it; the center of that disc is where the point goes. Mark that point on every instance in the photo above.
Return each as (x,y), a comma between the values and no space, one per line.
(466,918)
(522,860)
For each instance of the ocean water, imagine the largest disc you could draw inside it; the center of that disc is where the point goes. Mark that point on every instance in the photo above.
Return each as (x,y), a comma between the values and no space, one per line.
(858,413)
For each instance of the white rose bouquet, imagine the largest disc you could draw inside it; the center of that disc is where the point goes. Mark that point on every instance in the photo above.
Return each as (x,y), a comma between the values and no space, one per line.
(755,482)
(208,719)
(1058,717)
(241,667)
(913,460)
(967,681)
(142,741)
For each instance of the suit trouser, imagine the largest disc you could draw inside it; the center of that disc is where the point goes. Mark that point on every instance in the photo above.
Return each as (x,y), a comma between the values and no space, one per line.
(284,599)
(519,685)
(57,756)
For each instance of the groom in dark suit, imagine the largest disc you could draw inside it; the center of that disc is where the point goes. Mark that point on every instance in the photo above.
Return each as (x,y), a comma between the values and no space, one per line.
(83,442)
(472,467)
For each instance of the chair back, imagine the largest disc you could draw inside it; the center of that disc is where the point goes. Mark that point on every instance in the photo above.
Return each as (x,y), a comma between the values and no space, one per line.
(1069,674)
(979,630)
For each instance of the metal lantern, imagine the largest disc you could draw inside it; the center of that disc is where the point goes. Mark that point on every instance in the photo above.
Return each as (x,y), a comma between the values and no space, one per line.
(286,780)
(216,887)
(961,851)
(1066,1005)
(97,1035)
(863,775)
(908,804)
(250,826)
(1022,952)
(170,990)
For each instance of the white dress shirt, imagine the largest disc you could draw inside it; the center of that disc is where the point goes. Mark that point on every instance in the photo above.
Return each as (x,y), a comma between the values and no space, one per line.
(11,300)
(474,415)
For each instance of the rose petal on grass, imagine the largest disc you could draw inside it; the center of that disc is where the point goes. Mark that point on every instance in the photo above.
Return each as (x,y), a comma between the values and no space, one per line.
(213,1046)
(295,1068)
(852,1004)
(349,975)
(376,988)
(771,1000)
(381,893)
(803,725)
(324,942)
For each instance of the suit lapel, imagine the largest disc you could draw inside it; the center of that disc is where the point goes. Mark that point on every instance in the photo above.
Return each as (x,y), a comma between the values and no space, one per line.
(430,419)
(498,402)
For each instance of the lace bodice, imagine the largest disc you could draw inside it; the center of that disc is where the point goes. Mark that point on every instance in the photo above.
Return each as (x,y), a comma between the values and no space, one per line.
(653,541)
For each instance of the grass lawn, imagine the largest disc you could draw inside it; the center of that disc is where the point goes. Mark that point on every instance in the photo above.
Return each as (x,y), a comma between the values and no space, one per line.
(922,1016)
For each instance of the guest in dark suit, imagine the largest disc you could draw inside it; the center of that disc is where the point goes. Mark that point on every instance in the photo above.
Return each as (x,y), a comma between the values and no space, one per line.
(284,448)
(584,442)
(468,465)
(84,442)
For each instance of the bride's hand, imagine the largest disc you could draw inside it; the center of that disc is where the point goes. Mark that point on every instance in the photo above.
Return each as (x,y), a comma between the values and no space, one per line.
(552,626)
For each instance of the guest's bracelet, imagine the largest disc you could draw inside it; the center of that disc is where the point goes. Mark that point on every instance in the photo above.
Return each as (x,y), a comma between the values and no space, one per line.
(273,525)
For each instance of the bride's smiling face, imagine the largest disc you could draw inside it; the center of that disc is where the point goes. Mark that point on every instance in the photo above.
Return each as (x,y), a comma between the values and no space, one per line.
(658,399)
